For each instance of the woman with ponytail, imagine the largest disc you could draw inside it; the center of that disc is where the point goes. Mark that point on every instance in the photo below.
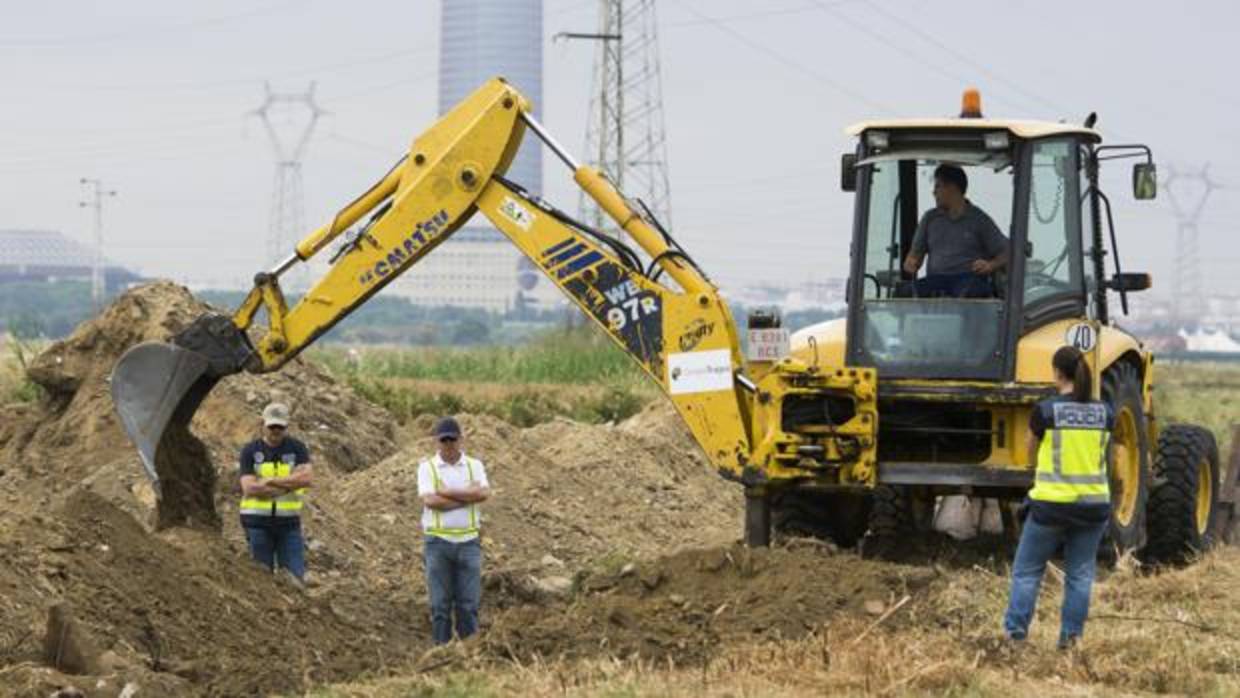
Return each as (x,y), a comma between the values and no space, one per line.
(1069,505)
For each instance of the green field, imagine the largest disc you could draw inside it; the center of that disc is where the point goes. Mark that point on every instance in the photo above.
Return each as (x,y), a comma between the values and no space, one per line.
(577,374)
(580,374)
(1199,393)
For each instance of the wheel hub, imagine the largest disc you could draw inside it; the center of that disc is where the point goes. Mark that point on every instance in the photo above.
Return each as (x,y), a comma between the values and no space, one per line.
(1125,467)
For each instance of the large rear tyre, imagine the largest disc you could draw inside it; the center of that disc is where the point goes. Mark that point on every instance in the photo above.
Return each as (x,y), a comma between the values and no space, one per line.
(1130,457)
(1183,505)
(840,517)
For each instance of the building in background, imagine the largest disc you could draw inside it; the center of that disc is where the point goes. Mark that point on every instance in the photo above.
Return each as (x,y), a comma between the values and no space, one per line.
(478,267)
(50,256)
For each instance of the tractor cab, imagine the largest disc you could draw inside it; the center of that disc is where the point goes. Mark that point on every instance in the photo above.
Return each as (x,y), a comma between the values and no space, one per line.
(1031,215)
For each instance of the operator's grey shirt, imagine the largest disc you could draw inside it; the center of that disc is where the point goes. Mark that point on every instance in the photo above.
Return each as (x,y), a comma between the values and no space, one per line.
(954,244)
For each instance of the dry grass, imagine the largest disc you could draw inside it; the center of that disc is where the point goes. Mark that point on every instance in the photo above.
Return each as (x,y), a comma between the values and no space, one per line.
(1174,633)
(14,355)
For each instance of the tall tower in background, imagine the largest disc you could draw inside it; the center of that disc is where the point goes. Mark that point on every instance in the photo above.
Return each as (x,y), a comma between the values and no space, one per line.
(288,143)
(625,135)
(480,39)
(1187,299)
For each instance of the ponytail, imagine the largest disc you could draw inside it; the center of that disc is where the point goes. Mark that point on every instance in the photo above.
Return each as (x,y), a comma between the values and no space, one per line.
(1071,364)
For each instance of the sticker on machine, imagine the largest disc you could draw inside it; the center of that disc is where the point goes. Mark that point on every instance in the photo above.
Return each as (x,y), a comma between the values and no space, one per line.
(1081,335)
(516,213)
(699,371)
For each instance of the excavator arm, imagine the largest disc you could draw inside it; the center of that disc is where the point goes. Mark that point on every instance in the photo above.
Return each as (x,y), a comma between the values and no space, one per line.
(665,313)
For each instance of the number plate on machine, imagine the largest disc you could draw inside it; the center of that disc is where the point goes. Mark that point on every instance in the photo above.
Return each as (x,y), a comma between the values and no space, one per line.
(768,344)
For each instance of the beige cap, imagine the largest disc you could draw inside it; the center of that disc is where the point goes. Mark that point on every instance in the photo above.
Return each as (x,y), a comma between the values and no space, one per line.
(275,414)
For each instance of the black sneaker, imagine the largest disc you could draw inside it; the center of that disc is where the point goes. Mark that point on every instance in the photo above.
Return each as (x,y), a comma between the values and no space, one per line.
(1067,642)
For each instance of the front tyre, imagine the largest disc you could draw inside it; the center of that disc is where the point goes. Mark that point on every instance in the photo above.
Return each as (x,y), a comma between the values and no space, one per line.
(1183,503)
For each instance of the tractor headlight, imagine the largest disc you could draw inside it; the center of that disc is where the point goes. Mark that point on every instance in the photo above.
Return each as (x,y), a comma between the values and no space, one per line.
(996,140)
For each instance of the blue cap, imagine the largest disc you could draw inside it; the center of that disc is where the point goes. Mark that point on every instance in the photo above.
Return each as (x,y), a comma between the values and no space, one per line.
(447,426)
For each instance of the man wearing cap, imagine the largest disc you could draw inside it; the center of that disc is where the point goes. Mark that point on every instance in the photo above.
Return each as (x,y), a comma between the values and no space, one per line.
(451,485)
(275,472)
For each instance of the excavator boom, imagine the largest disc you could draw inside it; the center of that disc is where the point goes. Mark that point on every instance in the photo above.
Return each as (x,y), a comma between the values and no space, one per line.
(652,300)
(452,171)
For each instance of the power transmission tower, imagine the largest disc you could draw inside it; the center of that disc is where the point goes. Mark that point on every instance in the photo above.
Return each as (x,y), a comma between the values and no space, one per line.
(1188,302)
(625,136)
(96,193)
(287,216)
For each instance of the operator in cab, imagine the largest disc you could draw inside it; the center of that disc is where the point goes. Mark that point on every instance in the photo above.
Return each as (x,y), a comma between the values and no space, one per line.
(964,244)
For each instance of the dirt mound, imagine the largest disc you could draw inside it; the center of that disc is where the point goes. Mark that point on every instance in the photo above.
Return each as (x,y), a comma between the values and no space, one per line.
(688,606)
(575,492)
(77,417)
(184,606)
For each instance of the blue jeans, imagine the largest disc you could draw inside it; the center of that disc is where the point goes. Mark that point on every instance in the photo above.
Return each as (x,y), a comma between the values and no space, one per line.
(1037,544)
(454,580)
(281,543)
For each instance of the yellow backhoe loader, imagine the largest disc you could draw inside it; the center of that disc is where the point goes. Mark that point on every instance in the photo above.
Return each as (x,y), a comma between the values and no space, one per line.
(846,429)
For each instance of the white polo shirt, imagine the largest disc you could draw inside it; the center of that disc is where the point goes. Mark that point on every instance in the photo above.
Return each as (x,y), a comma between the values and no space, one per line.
(458,525)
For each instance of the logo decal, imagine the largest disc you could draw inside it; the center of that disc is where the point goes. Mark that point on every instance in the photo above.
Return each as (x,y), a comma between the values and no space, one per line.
(627,302)
(516,213)
(398,256)
(699,371)
(698,330)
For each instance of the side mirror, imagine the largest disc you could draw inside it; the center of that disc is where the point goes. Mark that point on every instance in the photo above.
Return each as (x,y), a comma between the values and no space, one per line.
(848,172)
(1144,181)
(1130,281)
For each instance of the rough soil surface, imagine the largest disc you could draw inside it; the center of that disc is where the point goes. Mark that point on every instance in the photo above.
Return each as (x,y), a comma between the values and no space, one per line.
(572,491)
(181,611)
(689,606)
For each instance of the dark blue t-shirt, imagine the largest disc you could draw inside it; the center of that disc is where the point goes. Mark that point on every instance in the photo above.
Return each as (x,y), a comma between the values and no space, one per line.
(1058,513)
(258,451)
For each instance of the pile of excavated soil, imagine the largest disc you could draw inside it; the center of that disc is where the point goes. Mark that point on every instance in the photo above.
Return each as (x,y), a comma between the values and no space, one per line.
(688,606)
(183,610)
(178,610)
(75,428)
(74,434)
(567,491)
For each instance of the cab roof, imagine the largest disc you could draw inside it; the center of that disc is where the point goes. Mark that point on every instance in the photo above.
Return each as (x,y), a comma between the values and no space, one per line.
(1017,127)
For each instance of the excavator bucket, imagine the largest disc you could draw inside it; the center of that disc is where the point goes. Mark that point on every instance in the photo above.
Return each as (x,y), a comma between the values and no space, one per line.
(158,386)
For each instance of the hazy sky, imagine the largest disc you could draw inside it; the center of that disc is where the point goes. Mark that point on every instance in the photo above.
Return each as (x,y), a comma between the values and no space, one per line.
(150,97)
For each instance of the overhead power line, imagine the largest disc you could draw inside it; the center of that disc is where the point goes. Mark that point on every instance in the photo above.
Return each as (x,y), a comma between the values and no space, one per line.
(784,60)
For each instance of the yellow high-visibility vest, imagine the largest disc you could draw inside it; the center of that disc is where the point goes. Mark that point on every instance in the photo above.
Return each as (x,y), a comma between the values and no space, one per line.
(288,504)
(451,533)
(1072,466)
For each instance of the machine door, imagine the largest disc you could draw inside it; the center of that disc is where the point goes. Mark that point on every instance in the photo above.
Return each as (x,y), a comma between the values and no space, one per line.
(1054,283)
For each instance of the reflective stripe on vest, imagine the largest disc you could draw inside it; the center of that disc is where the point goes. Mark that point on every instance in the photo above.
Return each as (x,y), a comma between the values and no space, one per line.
(1072,467)
(448,532)
(288,504)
